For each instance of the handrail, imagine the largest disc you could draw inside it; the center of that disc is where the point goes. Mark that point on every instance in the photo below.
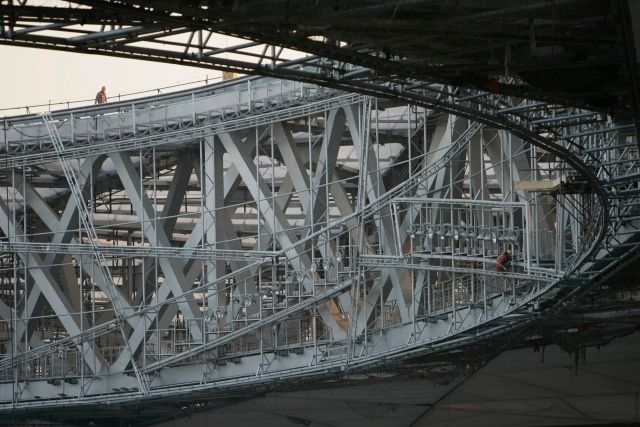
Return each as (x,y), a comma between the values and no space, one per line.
(188,134)
(119,96)
(140,100)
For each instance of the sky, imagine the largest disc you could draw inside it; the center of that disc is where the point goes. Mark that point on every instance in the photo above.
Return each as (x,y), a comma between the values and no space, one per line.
(37,76)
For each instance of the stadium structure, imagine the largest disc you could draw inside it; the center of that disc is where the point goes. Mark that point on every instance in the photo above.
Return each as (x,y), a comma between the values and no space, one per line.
(329,222)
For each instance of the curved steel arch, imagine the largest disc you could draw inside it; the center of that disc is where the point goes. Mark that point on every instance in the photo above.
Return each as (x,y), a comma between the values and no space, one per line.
(399,352)
(404,55)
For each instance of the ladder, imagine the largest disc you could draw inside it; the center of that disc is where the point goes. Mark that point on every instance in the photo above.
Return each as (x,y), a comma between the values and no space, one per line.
(85,217)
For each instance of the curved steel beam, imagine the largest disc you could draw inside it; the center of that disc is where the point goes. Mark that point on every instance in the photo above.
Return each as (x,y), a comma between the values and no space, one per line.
(292,28)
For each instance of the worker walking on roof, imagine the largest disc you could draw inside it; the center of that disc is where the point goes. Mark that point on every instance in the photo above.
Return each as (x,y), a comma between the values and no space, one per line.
(101,97)
(503,263)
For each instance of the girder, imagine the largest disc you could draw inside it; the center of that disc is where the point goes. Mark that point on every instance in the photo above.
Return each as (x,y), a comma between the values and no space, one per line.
(396,41)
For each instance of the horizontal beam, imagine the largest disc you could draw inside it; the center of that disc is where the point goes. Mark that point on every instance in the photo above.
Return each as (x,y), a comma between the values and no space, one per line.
(266,321)
(114,251)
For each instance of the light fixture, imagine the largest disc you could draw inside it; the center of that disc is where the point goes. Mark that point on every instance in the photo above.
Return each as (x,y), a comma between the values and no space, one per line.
(313,267)
(339,255)
(494,237)
(515,234)
(327,264)
(247,301)
(339,228)
(471,234)
(220,312)
(456,233)
(511,235)
(299,276)
(430,232)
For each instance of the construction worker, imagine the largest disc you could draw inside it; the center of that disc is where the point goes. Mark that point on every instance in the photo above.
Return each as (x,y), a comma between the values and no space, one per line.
(101,97)
(503,263)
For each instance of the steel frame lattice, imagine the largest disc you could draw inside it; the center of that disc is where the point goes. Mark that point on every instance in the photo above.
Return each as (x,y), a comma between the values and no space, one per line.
(264,230)
(253,263)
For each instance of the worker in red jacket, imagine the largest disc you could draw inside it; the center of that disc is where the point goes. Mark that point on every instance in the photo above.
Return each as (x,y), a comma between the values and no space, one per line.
(503,263)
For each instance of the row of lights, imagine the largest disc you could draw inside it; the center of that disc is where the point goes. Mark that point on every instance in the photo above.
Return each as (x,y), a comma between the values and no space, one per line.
(445,231)
(220,312)
(247,300)
(323,264)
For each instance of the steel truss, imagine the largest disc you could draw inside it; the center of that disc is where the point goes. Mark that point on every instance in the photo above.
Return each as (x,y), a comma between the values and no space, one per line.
(264,230)
(261,230)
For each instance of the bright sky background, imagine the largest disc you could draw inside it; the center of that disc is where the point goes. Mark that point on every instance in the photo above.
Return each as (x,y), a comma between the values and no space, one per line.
(37,76)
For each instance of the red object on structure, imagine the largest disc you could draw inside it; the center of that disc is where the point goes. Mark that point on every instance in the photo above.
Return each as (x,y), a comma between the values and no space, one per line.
(494,85)
(502,263)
